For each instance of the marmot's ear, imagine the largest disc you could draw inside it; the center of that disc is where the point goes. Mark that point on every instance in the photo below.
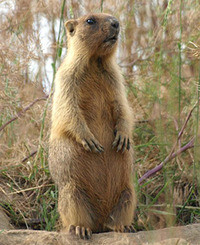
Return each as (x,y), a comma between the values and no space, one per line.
(71,26)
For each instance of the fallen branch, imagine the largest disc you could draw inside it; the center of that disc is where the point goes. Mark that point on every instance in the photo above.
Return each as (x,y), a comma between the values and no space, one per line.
(20,114)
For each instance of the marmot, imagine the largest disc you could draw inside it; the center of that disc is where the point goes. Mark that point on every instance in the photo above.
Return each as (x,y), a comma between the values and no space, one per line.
(90,157)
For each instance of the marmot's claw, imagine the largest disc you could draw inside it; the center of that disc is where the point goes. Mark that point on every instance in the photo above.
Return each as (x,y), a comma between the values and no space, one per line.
(92,145)
(116,141)
(128,145)
(124,145)
(129,229)
(86,145)
(98,147)
(121,141)
(81,232)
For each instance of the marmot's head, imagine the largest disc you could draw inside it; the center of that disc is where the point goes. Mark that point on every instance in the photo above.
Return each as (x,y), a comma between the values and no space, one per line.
(93,34)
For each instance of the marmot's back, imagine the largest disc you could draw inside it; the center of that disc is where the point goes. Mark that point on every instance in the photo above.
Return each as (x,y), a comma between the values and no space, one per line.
(90,157)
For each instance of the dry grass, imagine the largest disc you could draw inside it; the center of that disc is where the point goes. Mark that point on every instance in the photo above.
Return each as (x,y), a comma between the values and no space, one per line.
(159,54)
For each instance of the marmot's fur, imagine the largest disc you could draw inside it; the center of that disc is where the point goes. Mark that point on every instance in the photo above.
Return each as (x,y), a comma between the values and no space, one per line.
(90,156)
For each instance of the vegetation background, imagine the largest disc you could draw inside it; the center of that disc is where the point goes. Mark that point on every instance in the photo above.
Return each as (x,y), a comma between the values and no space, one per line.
(159,54)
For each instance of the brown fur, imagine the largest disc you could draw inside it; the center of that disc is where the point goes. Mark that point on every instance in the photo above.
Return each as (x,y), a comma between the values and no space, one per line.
(89,105)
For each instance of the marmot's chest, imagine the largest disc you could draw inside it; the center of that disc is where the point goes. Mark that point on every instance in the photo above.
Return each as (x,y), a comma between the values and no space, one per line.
(95,102)
(95,89)
(96,98)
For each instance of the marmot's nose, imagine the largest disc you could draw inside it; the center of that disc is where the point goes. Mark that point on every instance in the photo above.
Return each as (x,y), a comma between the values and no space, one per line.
(115,23)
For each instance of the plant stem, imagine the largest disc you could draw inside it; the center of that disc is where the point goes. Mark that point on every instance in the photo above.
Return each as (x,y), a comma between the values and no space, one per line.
(52,85)
(180,64)
(196,148)
(101,6)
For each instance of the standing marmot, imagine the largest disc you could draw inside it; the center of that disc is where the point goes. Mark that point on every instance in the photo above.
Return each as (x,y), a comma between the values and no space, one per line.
(90,156)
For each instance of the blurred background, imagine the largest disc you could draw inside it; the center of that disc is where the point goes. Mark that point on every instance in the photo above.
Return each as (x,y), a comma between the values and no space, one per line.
(159,54)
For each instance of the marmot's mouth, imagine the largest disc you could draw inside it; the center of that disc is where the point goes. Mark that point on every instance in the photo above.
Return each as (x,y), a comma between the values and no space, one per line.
(111,39)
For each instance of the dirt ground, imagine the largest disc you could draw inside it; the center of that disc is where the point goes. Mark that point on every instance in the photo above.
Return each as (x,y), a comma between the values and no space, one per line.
(185,235)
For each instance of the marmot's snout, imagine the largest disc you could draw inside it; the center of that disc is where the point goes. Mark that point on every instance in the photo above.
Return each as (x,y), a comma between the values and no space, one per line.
(114,30)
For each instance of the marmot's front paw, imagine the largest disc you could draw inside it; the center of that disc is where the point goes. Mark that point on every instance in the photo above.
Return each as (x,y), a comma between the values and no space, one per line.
(121,141)
(91,144)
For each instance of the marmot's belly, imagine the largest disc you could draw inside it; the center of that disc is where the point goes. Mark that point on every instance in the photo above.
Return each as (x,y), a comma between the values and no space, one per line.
(101,173)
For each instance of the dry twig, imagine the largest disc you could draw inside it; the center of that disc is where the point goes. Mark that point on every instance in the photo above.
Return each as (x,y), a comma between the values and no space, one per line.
(32,154)
(21,114)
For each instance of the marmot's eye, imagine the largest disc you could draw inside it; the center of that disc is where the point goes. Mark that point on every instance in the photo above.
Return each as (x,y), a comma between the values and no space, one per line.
(91,21)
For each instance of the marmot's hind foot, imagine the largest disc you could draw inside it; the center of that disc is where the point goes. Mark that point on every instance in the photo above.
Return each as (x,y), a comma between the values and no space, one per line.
(125,228)
(80,231)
